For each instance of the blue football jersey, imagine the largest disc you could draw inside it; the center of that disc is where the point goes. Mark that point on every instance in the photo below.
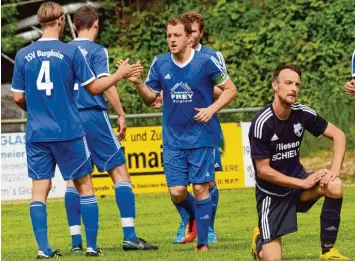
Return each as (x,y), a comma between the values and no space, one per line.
(97,58)
(218,55)
(353,65)
(46,72)
(186,87)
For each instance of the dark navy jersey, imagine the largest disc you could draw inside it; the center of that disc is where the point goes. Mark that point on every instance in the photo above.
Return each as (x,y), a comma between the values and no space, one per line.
(280,141)
(185,88)
(46,72)
(97,58)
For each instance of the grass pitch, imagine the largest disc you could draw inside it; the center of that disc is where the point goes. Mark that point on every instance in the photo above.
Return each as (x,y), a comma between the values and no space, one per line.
(157,222)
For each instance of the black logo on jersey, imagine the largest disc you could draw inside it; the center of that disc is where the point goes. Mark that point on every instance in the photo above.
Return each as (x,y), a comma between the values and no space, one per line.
(298,129)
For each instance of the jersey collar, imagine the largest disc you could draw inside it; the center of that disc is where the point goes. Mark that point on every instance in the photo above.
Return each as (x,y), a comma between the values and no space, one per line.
(82,39)
(199,47)
(47,39)
(187,62)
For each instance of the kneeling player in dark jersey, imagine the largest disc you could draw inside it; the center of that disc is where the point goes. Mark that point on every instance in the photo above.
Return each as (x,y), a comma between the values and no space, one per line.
(283,187)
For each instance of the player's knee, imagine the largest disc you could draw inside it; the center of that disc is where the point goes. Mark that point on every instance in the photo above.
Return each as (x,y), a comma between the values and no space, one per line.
(84,186)
(335,188)
(272,257)
(178,194)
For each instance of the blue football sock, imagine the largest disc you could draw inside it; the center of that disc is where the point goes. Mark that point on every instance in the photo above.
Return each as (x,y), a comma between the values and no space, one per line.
(188,204)
(214,196)
(203,219)
(90,214)
(38,212)
(72,206)
(182,212)
(126,204)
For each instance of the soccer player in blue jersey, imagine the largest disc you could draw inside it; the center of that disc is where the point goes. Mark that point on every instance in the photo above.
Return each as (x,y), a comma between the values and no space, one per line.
(187,226)
(106,151)
(283,187)
(43,80)
(349,87)
(191,130)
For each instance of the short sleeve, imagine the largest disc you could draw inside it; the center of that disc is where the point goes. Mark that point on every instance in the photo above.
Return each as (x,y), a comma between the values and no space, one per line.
(216,72)
(100,63)
(353,65)
(18,80)
(314,123)
(152,80)
(220,59)
(82,71)
(259,144)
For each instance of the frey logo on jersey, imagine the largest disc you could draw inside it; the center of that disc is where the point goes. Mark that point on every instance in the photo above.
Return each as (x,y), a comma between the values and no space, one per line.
(181,93)
(298,129)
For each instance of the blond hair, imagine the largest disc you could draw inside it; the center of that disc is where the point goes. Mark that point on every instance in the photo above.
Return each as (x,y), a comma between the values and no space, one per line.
(49,12)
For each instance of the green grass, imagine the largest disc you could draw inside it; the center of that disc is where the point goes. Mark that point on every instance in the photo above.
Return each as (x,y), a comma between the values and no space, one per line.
(157,222)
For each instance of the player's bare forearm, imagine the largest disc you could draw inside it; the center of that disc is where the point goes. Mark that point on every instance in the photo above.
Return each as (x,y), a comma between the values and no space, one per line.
(271,175)
(267,173)
(20,100)
(102,84)
(217,92)
(339,145)
(113,98)
(147,95)
(229,92)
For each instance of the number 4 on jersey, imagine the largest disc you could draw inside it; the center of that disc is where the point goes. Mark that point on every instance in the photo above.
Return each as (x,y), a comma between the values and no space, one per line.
(47,84)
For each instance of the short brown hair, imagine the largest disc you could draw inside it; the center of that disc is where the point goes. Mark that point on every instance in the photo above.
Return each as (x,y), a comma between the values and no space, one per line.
(193,16)
(181,20)
(48,12)
(281,67)
(85,17)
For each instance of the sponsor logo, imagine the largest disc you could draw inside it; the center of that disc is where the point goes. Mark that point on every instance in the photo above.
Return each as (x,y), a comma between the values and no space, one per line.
(167,76)
(298,129)
(181,93)
(205,217)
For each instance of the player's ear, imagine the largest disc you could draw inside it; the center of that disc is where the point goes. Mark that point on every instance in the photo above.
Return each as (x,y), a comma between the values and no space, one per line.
(74,27)
(96,24)
(275,85)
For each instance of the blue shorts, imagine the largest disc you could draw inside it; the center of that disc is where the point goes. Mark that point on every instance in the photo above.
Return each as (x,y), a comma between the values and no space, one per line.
(184,166)
(218,162)
(72,157)
(106,151)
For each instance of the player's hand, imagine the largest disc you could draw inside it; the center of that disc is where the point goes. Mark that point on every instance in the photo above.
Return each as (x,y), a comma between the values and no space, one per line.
(204,114)
(125,70)
(158,103)
(121,127)
(349,87)
(134,77)
(313,179)
(329,176)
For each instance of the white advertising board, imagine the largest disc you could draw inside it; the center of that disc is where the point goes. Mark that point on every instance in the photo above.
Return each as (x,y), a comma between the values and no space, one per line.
(249,173)
(15,184)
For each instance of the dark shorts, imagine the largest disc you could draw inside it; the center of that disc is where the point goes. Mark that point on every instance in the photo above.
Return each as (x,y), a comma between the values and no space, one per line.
(278,215)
